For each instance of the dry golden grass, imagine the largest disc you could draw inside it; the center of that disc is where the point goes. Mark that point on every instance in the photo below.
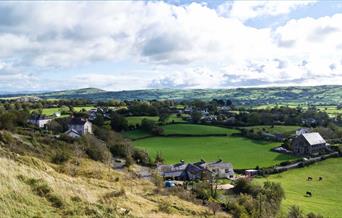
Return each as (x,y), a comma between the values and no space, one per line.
(84,188)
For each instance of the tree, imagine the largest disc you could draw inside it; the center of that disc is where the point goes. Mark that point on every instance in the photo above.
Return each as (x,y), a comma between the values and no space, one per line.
(147,124)
(54,126)
(99,120)
(196,116)
(7,121)
(163,117)
(157,130)
(159,158)
(295,212)
(118,122)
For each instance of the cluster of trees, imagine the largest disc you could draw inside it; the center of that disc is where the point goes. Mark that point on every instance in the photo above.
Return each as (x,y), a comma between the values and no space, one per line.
(119,147)
(282,115)
(13,118)
(260,201)
(17,105)
(151,127)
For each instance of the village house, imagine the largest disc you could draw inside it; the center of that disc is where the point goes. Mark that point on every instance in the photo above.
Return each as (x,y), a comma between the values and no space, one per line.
(220,169)
(309,144)
(78,127)
(301,131)
(40,120)
(198,170)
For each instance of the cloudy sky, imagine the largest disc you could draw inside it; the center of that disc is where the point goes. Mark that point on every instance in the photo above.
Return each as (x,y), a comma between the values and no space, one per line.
(172,44)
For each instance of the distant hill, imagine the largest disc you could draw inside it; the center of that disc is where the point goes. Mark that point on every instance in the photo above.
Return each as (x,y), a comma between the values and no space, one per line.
(85,91)
(250,96)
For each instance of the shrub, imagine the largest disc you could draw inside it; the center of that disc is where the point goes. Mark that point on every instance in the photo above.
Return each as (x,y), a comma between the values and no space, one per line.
(60,157)
(55,200)
(6,137)
(295,212)
(157,130)
(96,149)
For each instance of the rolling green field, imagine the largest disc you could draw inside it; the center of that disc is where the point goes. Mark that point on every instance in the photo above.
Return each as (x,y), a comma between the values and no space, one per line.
(241,152)
(134,120)
(87,108)
(326,195)
(277,129)
(174,118)
(51,111)
(136,134)
(194,129)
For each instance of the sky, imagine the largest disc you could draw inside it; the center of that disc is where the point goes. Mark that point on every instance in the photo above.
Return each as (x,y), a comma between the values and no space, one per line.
(58,45)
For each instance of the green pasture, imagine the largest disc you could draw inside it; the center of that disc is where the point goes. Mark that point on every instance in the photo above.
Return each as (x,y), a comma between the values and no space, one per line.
(194,129)
(134,120)
(326,194)
(276,129)
(241,152)
(136,134)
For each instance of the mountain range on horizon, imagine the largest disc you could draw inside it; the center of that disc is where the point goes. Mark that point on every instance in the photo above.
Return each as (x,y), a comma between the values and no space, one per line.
(326,94)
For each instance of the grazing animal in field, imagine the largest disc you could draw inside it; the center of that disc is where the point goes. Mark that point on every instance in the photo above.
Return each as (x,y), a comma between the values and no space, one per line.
(320,178)
(308,194)
(309,178)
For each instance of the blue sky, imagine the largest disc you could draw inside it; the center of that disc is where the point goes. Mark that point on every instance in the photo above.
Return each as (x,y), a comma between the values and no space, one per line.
(173,44)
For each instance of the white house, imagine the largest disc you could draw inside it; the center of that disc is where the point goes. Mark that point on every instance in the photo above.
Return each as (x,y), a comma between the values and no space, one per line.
(79,126)
(39,121)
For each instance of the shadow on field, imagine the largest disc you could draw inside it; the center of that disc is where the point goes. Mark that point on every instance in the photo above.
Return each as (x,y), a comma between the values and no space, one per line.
(259,142)
(282,157)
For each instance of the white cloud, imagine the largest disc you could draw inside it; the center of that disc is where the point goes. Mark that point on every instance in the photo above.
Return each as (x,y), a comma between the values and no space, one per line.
(191,46)
(245,10)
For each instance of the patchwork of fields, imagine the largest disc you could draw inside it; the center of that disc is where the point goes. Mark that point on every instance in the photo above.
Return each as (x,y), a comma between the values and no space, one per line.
(326,194)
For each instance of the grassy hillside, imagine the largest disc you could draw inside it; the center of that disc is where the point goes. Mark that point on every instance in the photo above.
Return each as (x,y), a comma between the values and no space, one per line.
(80,187)
(241,152)
(326,194)
(251,96)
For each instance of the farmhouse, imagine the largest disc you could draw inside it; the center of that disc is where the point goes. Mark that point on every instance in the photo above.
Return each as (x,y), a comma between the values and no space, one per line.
(301,131)
(40,121)
(308,144)
(198,170)
(78,127)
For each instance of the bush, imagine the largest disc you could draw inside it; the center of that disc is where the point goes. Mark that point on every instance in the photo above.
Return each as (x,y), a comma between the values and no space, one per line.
(60,157)
(6,137)
(55,200)
(120,149)
(157,130)
(96,149)
(141,157)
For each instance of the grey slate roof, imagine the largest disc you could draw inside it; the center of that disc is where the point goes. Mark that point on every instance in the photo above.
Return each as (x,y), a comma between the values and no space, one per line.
(314,138)
(77,121)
